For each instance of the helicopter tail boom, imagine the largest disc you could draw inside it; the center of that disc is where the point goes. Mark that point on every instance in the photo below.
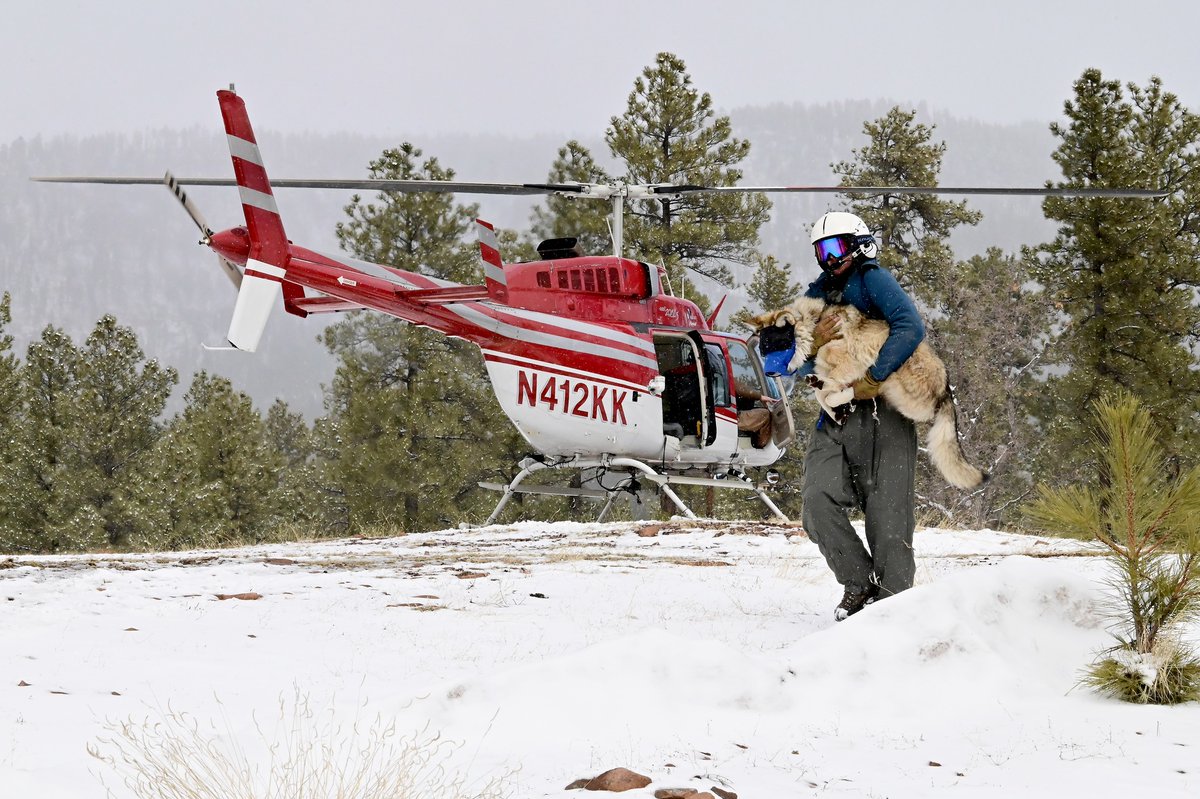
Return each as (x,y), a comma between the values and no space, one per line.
(267,261)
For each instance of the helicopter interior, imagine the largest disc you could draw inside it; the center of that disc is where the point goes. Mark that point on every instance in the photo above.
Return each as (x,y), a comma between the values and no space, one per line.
(691,395)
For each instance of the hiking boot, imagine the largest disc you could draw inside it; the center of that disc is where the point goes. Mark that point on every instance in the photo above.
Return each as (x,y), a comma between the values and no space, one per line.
(852,602)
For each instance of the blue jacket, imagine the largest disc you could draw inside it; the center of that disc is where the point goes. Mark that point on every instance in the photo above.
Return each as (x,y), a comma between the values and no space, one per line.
(874,291)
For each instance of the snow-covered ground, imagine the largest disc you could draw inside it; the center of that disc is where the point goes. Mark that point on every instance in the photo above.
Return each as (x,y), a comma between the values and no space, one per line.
(701,656)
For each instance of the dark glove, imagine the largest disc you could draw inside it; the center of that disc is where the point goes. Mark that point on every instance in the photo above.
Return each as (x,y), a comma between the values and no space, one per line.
(825,331)
(866,387)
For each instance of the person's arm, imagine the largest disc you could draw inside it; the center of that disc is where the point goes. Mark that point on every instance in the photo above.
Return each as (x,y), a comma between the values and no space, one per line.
(898,310)
(746,391)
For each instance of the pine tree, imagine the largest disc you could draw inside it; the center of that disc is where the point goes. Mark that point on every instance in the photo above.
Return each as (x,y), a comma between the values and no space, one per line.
(412,424)
(218,471)
(1125,271)
(420,232)
(992,337)
(1149,523)
(912,229)
(11,430)
(771,287)
(669,133)
(120,397)
(568,216)
(9,366)
(49,512)
(299,490)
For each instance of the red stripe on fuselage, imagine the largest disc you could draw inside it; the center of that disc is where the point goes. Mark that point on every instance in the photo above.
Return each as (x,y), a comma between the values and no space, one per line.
(554,369)
(320,273)
(604,334)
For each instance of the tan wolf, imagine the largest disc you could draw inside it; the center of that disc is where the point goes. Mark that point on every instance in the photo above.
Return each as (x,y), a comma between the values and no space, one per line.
(919,389)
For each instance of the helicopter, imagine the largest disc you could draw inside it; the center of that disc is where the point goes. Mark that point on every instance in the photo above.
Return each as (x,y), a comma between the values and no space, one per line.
(593,359)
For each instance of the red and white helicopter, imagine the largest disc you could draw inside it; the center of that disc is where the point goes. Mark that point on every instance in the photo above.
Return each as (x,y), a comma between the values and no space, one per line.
(595,362)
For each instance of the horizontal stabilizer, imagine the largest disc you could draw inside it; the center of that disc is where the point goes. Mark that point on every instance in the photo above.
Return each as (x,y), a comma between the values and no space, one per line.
(325,305)
(445,296)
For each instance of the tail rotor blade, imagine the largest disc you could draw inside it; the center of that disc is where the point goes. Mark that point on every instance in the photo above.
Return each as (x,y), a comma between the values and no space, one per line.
(194,212)
(231,271)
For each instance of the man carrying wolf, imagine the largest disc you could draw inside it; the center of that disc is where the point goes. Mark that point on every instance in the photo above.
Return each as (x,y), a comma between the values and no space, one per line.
(869,461)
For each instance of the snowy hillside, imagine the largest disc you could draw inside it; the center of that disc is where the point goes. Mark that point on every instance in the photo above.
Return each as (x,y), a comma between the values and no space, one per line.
(700,656)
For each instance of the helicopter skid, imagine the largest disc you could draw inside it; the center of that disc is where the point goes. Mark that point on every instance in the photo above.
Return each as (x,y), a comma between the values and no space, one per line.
(634,468)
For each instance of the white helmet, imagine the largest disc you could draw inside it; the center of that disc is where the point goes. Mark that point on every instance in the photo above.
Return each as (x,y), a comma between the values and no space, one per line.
(839,234)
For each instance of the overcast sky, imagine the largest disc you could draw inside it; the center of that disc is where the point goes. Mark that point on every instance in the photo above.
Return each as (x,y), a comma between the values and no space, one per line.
(525,66)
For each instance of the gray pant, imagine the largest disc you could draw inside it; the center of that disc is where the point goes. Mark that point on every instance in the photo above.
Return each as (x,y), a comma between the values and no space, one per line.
(869,463)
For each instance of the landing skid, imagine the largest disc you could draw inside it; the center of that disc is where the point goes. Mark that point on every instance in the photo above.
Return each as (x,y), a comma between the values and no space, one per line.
(634,469)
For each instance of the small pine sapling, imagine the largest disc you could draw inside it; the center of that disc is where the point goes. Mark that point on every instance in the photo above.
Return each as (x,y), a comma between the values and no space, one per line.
(1149,522)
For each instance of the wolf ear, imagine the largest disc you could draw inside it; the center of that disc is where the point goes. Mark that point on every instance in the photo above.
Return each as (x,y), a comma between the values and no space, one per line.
(766,319)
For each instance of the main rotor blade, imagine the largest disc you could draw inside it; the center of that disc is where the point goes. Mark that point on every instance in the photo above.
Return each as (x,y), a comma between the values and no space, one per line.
(401,186)
(449,186)
(997,190)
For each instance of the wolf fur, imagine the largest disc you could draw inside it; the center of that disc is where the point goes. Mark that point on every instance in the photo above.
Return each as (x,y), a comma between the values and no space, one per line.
(919,389)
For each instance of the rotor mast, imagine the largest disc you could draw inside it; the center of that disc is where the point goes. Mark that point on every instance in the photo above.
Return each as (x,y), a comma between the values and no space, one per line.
(618,194)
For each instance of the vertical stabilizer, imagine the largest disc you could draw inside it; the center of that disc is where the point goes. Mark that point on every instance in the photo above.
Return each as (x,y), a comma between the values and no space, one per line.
(266,265)
(493,268)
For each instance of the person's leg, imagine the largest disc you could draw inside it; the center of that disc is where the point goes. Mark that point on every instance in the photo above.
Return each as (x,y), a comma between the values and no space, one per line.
(884,464)
(828,495)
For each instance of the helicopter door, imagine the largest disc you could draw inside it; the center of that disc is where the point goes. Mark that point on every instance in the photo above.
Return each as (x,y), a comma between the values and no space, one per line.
(748,371)
(687,408)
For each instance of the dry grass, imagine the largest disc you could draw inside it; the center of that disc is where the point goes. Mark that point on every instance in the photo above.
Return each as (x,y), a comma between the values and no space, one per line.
(309,755)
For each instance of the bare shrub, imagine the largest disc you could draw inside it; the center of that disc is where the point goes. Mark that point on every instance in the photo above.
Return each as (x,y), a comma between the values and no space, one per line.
(309,755)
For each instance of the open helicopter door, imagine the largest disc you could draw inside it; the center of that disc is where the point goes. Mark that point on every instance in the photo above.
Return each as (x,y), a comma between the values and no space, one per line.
(748,370)
(688,413)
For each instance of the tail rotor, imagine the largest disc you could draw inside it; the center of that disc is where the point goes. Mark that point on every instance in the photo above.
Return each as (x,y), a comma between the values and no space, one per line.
(228,267)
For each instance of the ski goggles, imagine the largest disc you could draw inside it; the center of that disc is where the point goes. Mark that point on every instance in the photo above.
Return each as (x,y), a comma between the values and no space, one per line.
(835,247)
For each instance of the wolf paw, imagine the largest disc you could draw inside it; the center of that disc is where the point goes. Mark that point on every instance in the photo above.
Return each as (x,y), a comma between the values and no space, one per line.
(842,412)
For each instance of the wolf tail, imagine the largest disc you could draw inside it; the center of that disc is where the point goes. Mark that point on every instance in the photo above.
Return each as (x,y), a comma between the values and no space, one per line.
(945,450)
(263,282)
